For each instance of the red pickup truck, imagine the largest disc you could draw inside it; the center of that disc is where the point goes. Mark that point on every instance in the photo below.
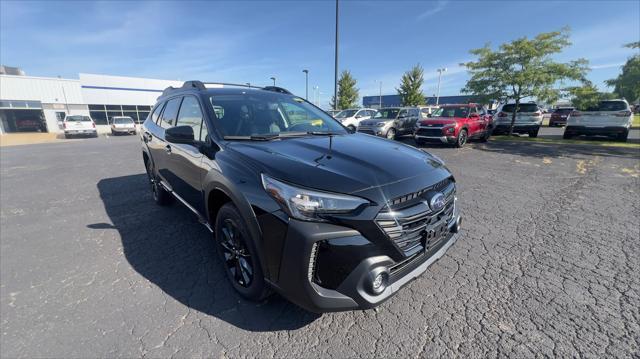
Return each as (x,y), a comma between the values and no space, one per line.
(454,125)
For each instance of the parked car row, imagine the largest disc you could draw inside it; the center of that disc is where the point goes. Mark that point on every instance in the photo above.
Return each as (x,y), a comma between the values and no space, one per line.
(81,125)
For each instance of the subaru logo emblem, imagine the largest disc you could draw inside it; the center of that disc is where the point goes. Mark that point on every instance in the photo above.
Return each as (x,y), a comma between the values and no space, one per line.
(437,202)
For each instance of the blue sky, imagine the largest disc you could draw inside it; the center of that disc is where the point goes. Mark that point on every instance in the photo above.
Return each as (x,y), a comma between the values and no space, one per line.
(246,41)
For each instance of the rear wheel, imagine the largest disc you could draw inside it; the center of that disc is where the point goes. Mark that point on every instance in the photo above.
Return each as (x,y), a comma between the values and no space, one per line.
(160,195)
(238,255)
(461,140)
(391,134)
(567,136)
(534,134)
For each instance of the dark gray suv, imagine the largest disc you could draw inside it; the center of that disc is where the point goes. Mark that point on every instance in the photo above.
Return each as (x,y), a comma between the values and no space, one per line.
(391,122)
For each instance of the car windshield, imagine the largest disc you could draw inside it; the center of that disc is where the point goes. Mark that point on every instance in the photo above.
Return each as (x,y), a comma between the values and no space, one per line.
(77,118)
(610,106)
(122,120)
(346,113)
(450,111)
(523,107)
(265,113)
(387,113)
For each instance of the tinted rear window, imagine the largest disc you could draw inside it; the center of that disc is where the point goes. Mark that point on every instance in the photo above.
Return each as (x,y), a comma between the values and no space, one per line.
(563,111)
(611,106)
(122,120)
(523,107)
(77,118)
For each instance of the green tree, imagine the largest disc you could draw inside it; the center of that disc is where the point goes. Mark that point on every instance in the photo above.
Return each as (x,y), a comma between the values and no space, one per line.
(522,69)
(410,90)
(586,96)
(627,84)
(347,92)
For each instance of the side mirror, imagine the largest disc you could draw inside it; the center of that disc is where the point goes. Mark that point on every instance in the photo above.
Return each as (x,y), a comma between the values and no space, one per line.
(351,129)
(179,134)
(359,116)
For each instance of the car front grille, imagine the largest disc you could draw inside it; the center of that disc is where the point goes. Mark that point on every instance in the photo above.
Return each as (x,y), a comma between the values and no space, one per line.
(410,223)
(431,132)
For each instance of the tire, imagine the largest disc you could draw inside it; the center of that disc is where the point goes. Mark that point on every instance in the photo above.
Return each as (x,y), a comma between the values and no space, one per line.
(67,136)
(623,136)
(534,134)
(462,138)
(160,195)
(391,134)
(485,136)
(567,136)
(238,255)
(419,142)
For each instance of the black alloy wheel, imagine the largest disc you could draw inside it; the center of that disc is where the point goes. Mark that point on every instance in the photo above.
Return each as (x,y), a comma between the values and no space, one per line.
(237,257)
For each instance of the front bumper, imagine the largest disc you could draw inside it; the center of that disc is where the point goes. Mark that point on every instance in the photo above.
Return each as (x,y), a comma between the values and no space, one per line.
(443,139)
(302,250)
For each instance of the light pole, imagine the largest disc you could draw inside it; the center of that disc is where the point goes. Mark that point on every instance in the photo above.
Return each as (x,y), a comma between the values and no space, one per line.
(306,84)
(274,80)
(335,75)
(440,71)
(316,89)
(380,102)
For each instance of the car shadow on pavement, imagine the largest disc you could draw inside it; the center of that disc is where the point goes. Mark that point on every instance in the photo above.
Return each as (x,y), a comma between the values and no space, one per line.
(540,150)
(169,248)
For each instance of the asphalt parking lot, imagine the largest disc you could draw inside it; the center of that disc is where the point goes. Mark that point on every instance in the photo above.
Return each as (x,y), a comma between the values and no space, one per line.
(547,264)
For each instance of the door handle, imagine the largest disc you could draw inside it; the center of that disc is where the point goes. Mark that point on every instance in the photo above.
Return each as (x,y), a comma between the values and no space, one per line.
(167,148)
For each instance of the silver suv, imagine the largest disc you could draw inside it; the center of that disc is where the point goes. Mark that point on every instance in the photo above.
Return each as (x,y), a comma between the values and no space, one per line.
(391,122)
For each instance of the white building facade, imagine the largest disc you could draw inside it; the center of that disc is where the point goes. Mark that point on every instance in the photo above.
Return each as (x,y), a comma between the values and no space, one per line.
(30,103)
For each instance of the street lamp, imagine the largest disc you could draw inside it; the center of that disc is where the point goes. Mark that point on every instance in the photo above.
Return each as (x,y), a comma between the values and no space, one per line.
(440,71)
(316,96)
(274,80)
(335,74)
(306,84)
(380,98)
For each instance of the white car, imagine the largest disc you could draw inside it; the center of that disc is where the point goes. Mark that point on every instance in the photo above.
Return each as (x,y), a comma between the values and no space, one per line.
(351,118)
(528,119)
(609,118)
(122,124)
(79,125)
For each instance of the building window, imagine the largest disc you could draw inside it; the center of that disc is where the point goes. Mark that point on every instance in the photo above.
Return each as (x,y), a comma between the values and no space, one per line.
(99,117)
(102,114)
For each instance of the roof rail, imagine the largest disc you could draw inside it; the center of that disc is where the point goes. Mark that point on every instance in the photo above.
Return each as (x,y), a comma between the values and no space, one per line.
(199,85)
(277,89)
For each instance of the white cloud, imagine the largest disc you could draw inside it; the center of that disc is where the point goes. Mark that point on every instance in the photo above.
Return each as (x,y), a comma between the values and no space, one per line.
(439,6)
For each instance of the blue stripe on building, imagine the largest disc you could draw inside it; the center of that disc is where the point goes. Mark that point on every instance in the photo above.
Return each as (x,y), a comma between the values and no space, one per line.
(119,88)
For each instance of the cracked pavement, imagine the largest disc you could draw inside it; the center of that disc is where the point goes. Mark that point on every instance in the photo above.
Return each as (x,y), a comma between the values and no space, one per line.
(546,265)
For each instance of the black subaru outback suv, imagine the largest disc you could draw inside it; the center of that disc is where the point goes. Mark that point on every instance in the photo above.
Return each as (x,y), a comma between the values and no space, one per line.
(331,220)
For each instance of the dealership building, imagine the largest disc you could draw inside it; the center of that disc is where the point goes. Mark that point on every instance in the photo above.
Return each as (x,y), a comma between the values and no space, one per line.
(396,100)
(30,103)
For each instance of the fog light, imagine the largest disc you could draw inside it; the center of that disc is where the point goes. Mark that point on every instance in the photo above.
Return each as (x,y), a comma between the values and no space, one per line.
(379,282)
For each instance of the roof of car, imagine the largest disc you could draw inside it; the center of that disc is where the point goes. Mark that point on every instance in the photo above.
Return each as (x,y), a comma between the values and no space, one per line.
(459,105)
(220,88)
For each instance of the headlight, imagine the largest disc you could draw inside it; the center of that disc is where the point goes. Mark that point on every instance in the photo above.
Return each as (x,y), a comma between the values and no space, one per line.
(380,124)
(309,205)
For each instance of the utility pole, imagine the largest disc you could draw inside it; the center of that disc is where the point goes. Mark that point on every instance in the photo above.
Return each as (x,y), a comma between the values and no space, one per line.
(306,84)
(335,75)
(316,100)
(440,71)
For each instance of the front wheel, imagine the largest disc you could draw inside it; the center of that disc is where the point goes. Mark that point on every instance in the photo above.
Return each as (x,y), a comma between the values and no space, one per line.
(391,134)
(462,138)
(238,255)
(566,136)
(160,195)
(623,136)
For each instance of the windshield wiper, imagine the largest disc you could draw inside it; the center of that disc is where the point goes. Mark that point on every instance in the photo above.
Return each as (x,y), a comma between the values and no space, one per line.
(323,133)
(273,136)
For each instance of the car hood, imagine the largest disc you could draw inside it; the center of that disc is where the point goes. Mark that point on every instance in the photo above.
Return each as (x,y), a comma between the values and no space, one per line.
(440,121)
(343,163)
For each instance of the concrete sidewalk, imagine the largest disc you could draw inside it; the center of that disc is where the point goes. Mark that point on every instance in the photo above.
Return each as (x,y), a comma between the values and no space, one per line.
(27,138)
